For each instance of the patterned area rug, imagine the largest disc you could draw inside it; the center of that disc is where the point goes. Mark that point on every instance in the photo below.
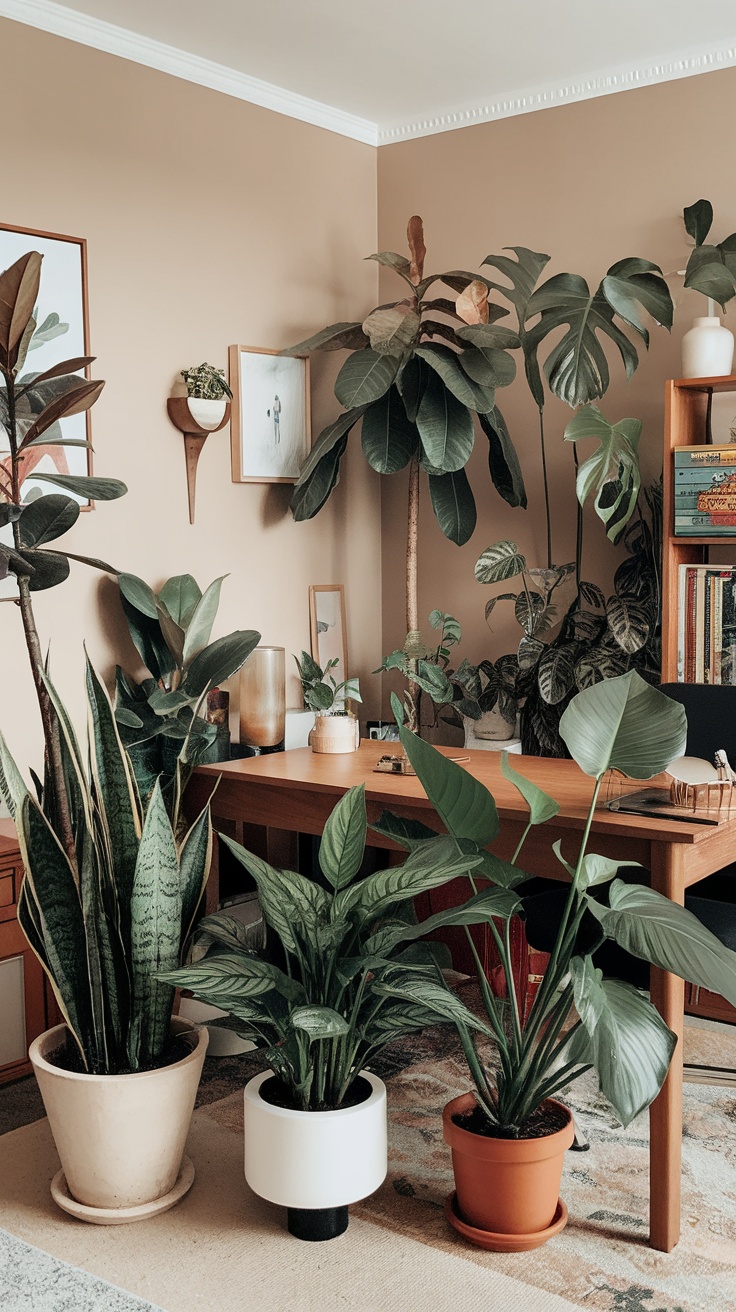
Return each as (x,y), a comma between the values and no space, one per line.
(602,1260)
(34,1281)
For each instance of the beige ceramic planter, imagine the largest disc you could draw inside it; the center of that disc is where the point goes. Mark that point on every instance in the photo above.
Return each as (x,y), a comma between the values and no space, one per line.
(335,734)
(120,1137)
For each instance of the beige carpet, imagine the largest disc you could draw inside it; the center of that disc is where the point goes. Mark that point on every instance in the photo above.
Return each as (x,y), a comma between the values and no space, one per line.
(224,1250)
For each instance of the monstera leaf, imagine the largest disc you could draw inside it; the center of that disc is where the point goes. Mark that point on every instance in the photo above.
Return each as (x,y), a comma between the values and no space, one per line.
(612,473)
(523,274)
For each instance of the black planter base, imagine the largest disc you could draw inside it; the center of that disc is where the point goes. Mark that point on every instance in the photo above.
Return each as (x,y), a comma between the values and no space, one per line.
(317,1224)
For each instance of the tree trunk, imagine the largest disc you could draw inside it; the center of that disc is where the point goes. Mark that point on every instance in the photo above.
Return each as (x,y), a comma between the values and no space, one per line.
(412,600)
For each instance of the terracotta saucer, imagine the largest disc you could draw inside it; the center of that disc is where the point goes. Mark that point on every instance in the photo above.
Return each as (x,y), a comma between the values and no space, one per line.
(500,1243)
(122,1215)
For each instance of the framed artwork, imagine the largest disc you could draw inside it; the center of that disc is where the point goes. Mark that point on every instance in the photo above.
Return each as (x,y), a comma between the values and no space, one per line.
(328,628)
(62,333)
(270,431)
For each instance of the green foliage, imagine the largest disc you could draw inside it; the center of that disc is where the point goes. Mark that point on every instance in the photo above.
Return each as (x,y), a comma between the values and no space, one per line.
(613,471)
(711,269)
(206,381)
(320,690)
(622,723)
(425,667)
(101,930)
(322,1019)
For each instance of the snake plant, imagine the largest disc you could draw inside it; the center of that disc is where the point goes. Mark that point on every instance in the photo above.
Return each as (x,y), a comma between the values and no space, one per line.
(104,924)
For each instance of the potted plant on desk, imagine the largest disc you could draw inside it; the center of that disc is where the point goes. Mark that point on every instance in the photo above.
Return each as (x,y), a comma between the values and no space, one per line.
(315,1122)
(336,729)
(509,1136)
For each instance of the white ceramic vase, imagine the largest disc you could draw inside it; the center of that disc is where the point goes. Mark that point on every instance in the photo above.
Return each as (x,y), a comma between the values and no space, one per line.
(120,1138)
(335,734)
(707,349)
(206,412)
(315,1162)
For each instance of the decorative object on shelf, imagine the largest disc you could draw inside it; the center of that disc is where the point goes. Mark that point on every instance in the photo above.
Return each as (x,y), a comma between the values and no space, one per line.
(315,1126)
(164,721)
(263,698)
(204,410)
(270,436)
(328,627)
(707,349)
(616,1029)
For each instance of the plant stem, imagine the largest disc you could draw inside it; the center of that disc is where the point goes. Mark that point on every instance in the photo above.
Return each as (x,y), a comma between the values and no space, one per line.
(412,535)
(578,529)
(546,487)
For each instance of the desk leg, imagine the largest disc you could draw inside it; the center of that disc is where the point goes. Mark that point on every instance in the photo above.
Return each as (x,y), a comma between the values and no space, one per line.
(665,1113)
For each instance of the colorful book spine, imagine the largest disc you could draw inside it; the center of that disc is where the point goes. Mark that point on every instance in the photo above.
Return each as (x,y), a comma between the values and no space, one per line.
(706,612)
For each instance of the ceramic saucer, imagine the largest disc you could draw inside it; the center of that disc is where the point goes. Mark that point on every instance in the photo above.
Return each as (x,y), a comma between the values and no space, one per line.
(500,1243)
(121,1215)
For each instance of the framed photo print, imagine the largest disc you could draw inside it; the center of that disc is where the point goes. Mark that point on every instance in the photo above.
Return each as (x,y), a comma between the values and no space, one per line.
(270,433)
(328,628)
(62,333)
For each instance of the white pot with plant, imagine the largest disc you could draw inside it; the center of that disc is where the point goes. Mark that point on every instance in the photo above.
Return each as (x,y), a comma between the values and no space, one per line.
(336,729)
(315,1124)
(707,349)
(207,395)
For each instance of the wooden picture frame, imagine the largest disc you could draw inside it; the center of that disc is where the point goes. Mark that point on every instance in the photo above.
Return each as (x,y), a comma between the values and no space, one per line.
(268,443)
(64,292)
(327,613)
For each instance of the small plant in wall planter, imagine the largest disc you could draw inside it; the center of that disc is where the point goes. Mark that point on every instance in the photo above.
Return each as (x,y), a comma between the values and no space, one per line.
(336,729)
(315,1123)
(208,394)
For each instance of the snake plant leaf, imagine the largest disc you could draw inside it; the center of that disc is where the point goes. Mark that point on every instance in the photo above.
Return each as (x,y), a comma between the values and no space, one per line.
(629,623)
(319,1022)
(117,802)
(698,219)
(181,596)
(220,660)
(199,627)
(289,902)
(623,1036)
(18,294)
(388,438)
(429,865)
(445,427)
(612,473)
(392,330)
(407,833)
(501,561)
(342,847)
(478,910)
(364,377)
(12,784)
(464,805)
(652,927)
(445,362)
(104,1000)
(195,859)
(155,932)
(542,807)
(503,461)
(602,728)
(311,493)
(90,489)
(338,337)
(47,518)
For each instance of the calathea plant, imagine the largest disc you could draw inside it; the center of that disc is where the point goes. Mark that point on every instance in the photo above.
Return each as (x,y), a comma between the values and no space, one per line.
(346,946)
(31,408)
(104,923)
(320,690)
(159,719)
(624,724)
(426,667)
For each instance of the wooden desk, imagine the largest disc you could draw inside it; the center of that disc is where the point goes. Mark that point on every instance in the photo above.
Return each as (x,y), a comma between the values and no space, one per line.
(297,790)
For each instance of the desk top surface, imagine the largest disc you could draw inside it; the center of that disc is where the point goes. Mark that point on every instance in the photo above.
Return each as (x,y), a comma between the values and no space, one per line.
(305,771)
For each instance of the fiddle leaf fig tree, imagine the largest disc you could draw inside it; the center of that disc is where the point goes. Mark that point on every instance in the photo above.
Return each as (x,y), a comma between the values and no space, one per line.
(420,369)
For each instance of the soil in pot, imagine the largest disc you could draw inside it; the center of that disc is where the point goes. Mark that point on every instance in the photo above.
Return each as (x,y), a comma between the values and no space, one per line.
(278,1094)
(178,1046)
(545,1120)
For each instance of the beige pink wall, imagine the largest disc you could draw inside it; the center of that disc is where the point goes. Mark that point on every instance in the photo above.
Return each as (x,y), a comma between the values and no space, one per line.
(588,184)
(208,221)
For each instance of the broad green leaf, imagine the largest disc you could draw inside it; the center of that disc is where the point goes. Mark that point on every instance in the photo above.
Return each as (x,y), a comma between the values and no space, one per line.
(47,518)
(501,561)
(406,833)
(624,724)
(338,337)
(612,473)
(220,660)
(484,362)
(541,806)
(444,362)
(9,513)
(698,220)
(432,680)
(364,377)
(199,628)
(319,1022)
(632,283)
(428,865)
(478,910)
(180,595)
(556,672)
(622,1036)
(451,632)
(343,839)
(392,329)
(503,461)
(523,274)
(595,869)
(656,929)
(465,807)
(232,977)
(311,492)
(388,439)
(434,998)
(288,900)
(90,489)
(629,623)
(138,594)
(410,381)
(229,932)
(327,441)
(155,932)
(18,294)
(445,426)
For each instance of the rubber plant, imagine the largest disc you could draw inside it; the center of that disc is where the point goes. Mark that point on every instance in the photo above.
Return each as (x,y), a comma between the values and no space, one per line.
(576,370)
(420,369)
(31,408)
(578,1020)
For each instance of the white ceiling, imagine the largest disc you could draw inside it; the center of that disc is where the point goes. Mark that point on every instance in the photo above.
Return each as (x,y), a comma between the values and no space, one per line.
(386,69)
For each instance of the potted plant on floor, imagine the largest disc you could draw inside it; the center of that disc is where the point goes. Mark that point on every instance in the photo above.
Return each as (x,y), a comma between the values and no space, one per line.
(336,729)
(509,1136)
(315,1122)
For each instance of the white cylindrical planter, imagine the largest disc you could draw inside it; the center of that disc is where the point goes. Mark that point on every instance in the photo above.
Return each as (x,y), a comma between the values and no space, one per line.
(707,349)
(335,734)
(120,1138)
(207,412)
(315,1162)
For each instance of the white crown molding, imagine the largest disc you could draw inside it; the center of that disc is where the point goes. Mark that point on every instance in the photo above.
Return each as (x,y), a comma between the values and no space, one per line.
(673,66)
(120,41)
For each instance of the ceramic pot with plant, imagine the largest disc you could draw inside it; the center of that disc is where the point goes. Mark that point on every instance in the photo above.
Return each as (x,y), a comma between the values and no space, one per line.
(336,729)
(486,698)
(207,395)
(707,348)
(119,1077)
(509,1136)
(315,1124)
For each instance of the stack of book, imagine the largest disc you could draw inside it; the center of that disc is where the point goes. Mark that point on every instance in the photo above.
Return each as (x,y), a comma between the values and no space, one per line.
(705,491)
(706,650)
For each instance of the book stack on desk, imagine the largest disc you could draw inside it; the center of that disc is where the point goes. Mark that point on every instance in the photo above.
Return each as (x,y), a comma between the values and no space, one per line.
(706,649)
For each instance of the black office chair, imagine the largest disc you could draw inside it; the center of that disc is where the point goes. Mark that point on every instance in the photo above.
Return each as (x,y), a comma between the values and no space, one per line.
(711,725)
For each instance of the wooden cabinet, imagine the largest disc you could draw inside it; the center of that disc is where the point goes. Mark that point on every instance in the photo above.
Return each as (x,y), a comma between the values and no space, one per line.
(23,1012)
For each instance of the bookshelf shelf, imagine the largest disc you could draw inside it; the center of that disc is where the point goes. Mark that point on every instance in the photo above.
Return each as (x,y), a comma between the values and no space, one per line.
(727,384)
(728,540)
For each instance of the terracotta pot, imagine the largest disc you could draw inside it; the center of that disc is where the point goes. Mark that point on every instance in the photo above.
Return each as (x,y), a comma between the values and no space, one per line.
(335,733)
(507,1186)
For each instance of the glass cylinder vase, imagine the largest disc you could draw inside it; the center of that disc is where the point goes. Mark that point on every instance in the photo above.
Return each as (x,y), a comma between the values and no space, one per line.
(263,697)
